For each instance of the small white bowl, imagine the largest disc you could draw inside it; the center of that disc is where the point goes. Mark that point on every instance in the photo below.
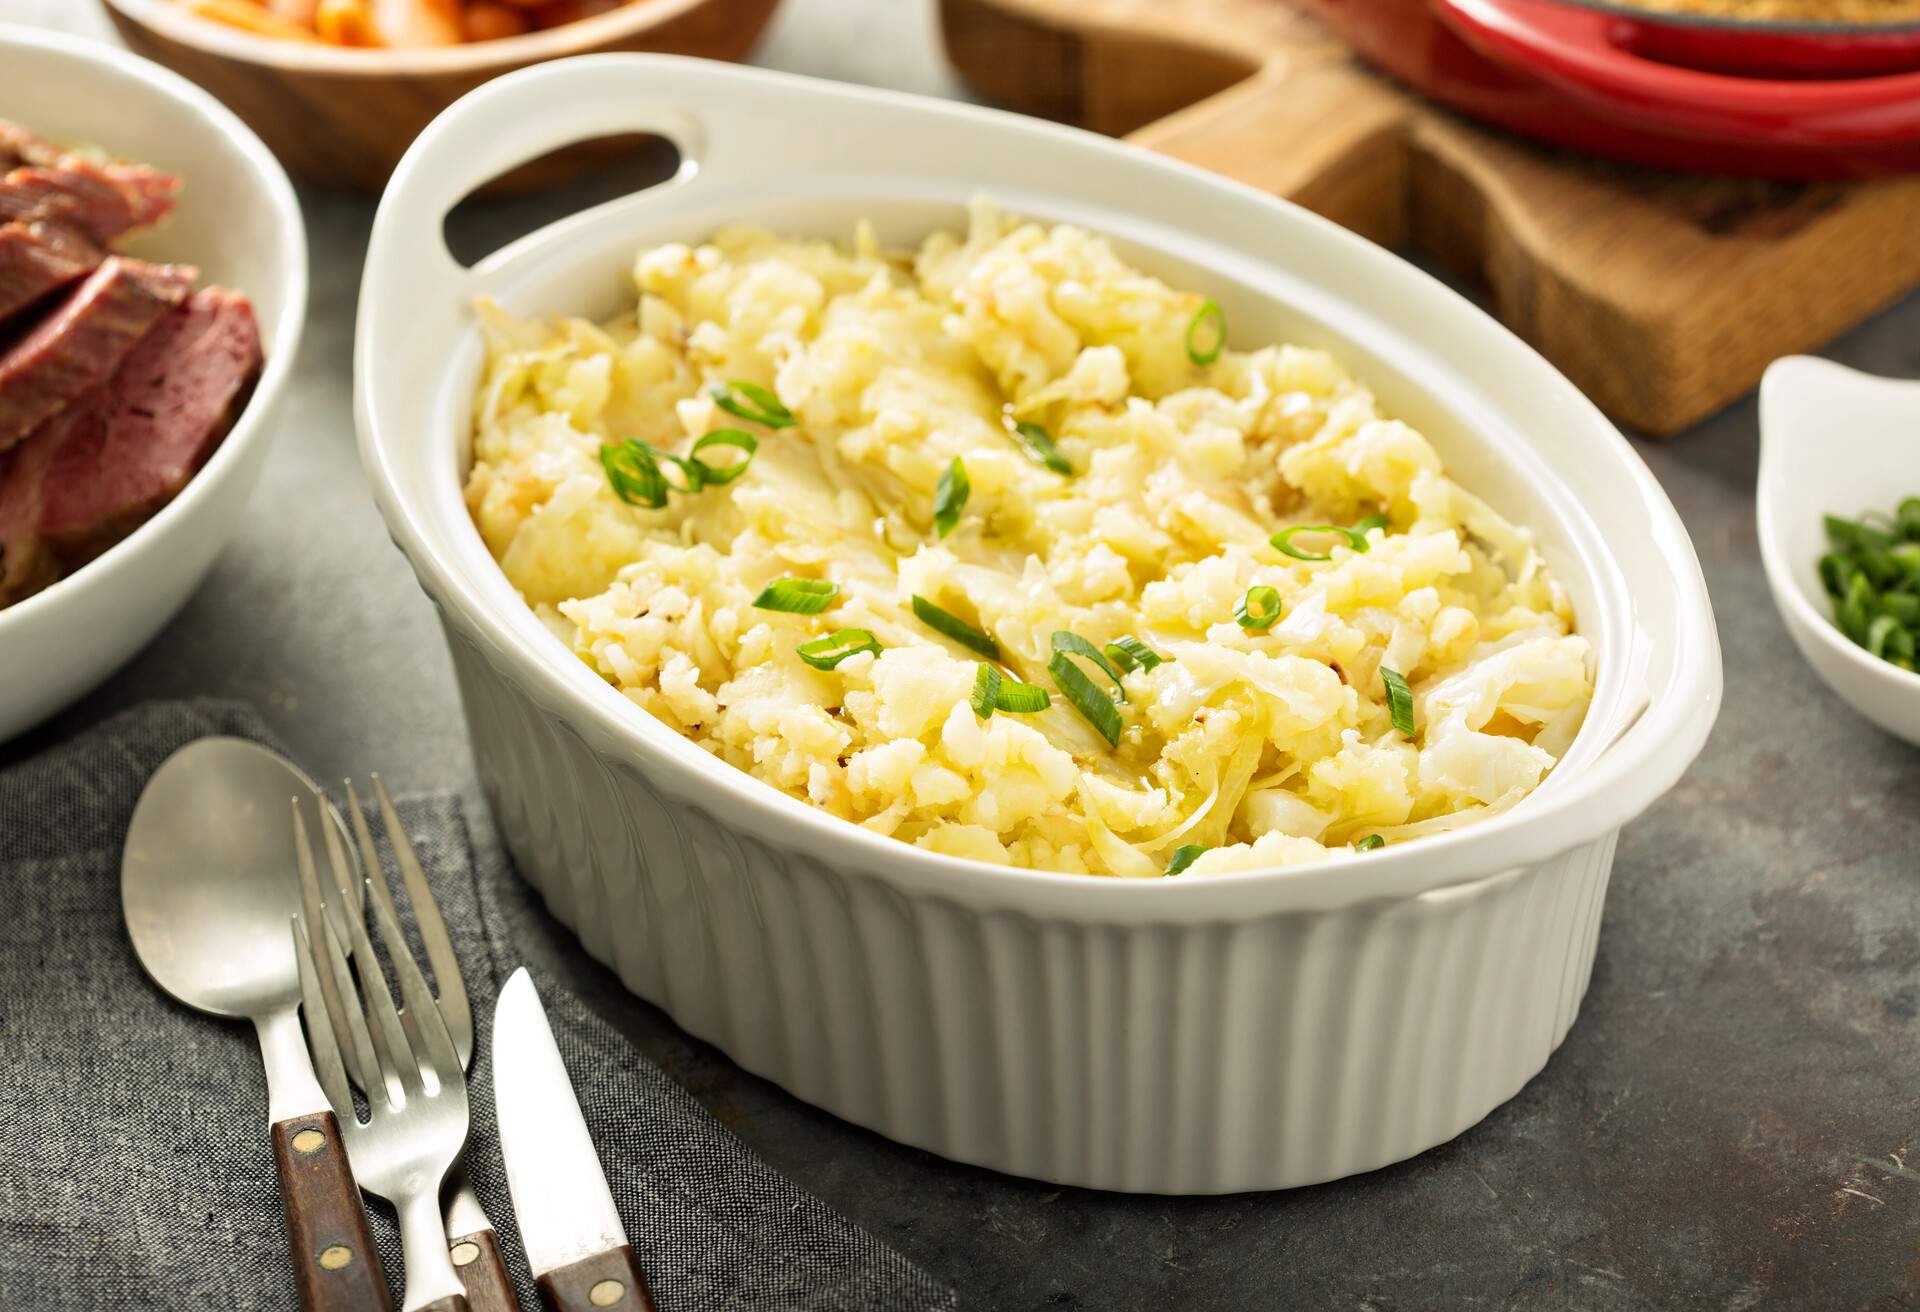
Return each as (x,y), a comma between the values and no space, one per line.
(238,221)
(1834,441)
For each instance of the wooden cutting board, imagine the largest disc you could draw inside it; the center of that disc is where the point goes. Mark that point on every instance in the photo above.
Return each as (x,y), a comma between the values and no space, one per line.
(1663,296)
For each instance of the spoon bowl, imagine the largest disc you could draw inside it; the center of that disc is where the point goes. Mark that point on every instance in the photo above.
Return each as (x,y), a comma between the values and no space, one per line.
(207,881)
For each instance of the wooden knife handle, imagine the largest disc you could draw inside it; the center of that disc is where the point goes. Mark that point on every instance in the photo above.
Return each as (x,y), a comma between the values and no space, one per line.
(609,1280)
(451,1303)
(476,1259)
(334,1260)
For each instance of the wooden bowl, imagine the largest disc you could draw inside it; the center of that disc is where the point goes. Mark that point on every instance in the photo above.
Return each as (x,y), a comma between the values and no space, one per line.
(343,117)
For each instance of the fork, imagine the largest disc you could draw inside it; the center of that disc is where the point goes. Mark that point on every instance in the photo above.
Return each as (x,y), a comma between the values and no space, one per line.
(416,1087)
(474,1248)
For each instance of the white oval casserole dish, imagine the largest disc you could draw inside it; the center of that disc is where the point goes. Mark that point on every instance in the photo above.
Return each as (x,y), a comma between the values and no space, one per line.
(238,221)
(1247,1031)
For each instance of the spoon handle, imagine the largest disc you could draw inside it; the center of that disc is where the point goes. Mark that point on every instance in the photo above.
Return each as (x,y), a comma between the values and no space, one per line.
(334,1260)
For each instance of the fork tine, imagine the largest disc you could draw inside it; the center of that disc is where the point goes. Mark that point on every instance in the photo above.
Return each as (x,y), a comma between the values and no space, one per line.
(359,1043)
(379,1092)
(320,1024)
(390,1042)
(387,920)
(454,1008)
(424,1023)
(332,984)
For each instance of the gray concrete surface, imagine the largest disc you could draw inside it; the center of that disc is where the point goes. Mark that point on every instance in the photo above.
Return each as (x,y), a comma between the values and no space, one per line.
(1726,1127)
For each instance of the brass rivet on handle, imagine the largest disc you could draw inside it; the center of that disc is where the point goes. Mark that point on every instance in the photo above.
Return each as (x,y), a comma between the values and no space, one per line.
(335,1256)
(465,1253)
(606,1293)
(309,1141)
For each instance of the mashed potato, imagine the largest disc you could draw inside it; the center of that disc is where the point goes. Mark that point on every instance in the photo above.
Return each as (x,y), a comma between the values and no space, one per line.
(1243,747)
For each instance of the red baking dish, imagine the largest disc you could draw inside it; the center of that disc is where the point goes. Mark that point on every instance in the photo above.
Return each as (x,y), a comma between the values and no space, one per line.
(1768,99)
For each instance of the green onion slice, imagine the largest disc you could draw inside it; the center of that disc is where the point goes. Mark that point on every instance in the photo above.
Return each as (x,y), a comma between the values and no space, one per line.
(1065,640)
(1206,332)
(950,497)
(1184,857)
(760,406)
(1086,696)
(1022,698)
(1283,540)
(1399,700)
(634,474)
(738,438)
(993,691)
(1373,521)
(1259,609)
(1039,446)
(1833,573)
(797,596)
(1131,654)
(1369,843)
(986,690)
(1878,632)
(952,626)
(825,653)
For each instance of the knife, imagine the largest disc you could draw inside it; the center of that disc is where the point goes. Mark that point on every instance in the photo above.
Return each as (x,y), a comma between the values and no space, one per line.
(568,1224)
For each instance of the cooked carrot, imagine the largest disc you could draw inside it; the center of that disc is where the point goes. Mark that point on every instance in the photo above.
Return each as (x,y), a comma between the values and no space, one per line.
(417,22)
(248,17)
(485,21)
(345,23)
(294,11)
(555,13)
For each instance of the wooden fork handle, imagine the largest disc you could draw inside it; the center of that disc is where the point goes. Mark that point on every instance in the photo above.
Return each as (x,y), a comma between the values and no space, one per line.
(476,1260)
(451,1303)
(606,1282)
(334,1260)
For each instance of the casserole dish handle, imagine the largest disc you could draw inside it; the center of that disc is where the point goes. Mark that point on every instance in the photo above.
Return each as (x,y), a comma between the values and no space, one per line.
(489,132)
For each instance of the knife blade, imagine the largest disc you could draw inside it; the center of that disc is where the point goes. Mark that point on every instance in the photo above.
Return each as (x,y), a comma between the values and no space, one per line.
(569,1226)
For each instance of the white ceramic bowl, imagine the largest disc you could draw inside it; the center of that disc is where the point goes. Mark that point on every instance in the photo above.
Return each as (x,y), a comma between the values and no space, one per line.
(1834,441)
(238,221)
(1185,1035)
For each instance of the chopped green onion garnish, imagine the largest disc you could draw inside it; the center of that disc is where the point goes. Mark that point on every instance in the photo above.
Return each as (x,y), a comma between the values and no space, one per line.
(1086,696)
(1022,698)
(738,438)
(950,497)
(992,691)
(1259,609)
(986,690)
(1206,332)
(1184,857)
(1065,640)
(634,474)
(1369,843)
(1038,445)
(952,626)
(1131,654)
(1283,540)
(1399,700)
(825,653)
(760,406)
(797,596)
(1873,575)
(1373,521)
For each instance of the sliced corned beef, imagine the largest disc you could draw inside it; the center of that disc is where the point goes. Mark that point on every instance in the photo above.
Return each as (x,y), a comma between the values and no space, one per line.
(38,259)
(27,563)
(20,145)
(164,412)
(103,200)
(83,339)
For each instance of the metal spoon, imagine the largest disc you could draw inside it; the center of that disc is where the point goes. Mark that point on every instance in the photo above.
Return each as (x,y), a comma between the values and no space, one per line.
(209,888)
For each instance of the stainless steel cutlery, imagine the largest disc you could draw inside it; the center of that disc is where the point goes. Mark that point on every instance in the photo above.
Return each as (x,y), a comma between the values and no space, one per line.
(575,1242)
(416,1090)
(207,887)
(245,897)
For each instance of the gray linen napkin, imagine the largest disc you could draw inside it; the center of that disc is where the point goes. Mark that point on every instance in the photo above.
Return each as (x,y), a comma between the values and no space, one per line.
(134,1165)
